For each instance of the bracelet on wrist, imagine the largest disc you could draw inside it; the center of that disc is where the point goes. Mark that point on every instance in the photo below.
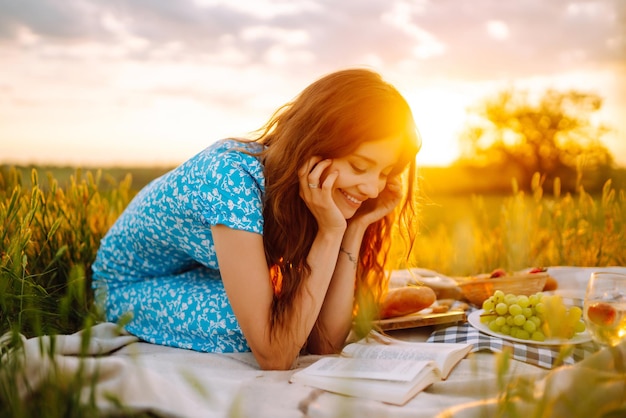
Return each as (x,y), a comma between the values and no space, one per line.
(352,258)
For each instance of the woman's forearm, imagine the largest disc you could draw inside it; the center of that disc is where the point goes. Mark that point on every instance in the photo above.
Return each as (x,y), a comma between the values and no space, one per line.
(312,297)
(250,293)
(335,318)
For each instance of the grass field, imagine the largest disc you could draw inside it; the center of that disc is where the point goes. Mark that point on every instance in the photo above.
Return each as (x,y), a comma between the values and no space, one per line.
(51,224)
(469,234)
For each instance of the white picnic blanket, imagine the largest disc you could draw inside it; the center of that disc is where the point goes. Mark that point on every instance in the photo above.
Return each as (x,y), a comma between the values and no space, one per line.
(173,382)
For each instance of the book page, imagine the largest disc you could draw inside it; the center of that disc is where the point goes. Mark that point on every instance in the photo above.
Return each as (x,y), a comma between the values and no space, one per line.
(391,351)
(389,391)
(445,355)
(367,368)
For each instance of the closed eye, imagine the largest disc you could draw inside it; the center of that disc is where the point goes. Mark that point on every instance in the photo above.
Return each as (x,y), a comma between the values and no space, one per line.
(357,169)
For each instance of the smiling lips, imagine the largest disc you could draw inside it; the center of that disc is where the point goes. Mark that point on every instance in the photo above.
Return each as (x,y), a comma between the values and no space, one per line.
(351,198)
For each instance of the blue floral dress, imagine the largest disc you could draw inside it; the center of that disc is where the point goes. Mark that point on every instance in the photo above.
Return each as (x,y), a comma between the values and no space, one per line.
(158,263)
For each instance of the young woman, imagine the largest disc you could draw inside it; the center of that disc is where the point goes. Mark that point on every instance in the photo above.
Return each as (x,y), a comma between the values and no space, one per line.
(273,244)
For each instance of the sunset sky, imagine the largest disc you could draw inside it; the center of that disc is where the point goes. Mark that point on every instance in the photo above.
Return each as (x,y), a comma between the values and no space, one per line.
(145,82)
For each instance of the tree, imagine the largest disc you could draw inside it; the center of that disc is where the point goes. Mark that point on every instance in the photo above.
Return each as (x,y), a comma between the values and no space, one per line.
(554,136)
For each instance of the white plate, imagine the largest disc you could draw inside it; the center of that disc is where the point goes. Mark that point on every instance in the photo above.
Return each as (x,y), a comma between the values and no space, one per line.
(573,297)
(416,275)
(474,320)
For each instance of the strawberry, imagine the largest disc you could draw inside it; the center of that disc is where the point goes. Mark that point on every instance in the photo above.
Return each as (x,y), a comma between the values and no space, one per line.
(538,270)
(497,273)
(601,313)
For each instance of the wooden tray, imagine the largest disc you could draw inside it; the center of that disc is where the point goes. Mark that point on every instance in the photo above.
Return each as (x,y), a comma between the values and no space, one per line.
(420,320)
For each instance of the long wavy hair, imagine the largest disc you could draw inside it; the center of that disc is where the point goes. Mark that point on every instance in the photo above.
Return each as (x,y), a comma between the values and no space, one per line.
(331,118)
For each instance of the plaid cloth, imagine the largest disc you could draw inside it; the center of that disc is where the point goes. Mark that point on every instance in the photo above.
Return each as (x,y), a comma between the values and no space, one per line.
(543,356)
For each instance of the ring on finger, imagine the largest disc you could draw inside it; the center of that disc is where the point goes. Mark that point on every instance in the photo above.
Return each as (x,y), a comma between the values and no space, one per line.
(313,186)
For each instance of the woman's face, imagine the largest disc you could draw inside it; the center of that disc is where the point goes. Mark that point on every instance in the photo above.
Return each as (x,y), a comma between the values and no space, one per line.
(363,174)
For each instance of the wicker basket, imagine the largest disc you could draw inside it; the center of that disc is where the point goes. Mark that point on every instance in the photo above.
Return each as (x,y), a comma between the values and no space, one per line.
(478,290)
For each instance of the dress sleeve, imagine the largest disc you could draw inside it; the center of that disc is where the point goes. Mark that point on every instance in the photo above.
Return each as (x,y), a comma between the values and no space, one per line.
(234,191)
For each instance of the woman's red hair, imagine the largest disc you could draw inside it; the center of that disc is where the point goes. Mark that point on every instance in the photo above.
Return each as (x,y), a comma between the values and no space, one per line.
(330,119)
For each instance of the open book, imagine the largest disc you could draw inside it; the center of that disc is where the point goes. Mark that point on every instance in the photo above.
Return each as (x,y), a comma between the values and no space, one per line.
(383,368)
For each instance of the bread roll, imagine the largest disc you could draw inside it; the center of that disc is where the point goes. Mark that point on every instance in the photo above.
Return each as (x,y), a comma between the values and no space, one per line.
(406,300)
(551,284)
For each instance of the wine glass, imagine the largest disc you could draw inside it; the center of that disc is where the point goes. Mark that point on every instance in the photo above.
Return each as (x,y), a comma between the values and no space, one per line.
(604,308)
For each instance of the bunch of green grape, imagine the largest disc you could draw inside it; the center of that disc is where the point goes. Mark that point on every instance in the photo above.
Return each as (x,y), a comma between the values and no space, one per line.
(535,317)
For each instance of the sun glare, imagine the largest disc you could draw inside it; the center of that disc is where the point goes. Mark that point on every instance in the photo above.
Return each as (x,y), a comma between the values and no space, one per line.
(440,114)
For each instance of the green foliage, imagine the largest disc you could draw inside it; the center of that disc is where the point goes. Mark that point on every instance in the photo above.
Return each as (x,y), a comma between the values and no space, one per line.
(522,230)
(48,240)
(553,135)
(49,235)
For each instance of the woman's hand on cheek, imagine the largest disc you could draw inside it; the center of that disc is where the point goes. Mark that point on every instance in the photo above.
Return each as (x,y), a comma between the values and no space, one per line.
(316,187)
(375,209)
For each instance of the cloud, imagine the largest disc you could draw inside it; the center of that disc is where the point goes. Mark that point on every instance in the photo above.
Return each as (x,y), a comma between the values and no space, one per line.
(541,35)
(62,21)
(444,35)
(211,54)
(498,30)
